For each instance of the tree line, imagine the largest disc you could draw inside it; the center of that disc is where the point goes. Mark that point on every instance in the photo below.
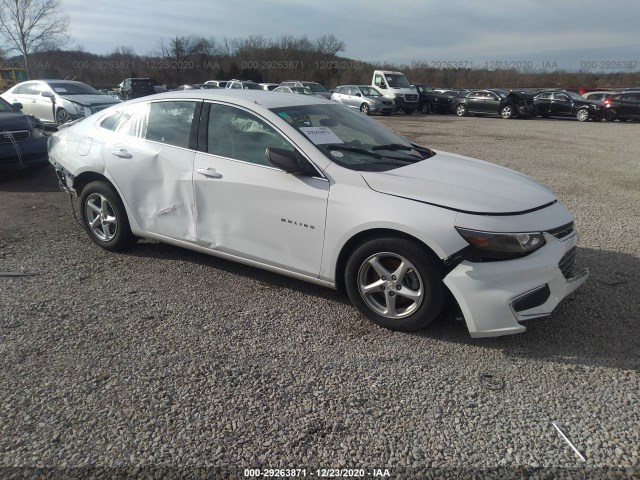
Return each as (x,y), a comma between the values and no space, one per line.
(37,32)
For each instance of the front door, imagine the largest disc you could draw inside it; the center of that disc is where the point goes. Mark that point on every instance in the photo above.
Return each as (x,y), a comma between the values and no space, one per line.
(249,209)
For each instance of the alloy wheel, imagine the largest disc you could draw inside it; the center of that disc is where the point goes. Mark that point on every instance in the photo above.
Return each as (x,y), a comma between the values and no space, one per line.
(101,217)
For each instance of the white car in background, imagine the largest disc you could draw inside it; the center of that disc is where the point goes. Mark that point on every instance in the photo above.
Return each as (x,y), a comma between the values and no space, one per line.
(58,101)
(312,189)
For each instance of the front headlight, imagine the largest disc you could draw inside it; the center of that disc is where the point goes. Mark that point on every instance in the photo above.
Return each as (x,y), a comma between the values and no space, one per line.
(502,246)
(37,132)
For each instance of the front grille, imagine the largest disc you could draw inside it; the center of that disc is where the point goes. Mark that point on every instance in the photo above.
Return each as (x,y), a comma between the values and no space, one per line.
(563,231)
(567,262)
(386,102)
(411,98)
(17,136)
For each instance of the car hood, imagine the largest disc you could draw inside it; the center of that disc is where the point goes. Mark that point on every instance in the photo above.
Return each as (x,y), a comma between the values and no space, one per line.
(463,184)
(88,100)
(12,121)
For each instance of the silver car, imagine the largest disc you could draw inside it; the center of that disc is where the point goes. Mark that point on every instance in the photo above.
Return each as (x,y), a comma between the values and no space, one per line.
(58,101)
(365,98)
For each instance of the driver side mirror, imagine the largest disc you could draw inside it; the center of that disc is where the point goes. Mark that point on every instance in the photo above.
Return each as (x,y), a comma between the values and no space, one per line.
(290,162)
(17,105)
(46,93)
(358,95)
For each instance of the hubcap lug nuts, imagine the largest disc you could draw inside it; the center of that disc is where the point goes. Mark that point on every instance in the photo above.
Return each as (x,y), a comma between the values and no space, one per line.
(384,278)
(399,287)
(382,287)
(391,294)
(393,277)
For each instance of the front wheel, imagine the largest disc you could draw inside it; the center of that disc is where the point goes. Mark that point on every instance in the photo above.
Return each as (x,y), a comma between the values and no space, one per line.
(395,283)
(425,108)
(364,108)
(610,115)
(104,217)
(63,117)
(506,112)
(582,115)
(461,110)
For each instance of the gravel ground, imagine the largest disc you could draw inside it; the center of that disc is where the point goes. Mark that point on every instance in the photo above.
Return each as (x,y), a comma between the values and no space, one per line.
(172,363)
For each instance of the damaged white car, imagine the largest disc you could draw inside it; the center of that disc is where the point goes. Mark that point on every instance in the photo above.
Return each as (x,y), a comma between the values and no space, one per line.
(308,188)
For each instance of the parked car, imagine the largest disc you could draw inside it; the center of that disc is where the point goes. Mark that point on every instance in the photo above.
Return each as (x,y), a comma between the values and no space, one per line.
(314,190)
(22,138)
(315,87)
(58,101)
(495,102)
(622,106)
(365,98)
(562,103)
(599,96)
(217,83)
(136,88)
(243,85)
(269,86)
(430,100)
(294,89)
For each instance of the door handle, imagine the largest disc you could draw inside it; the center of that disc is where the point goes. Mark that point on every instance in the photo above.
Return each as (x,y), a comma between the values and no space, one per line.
(33,101)
(122,153)
(209,172)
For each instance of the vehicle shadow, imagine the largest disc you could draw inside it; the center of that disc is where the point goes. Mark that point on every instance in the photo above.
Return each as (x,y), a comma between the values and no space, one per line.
(28,179)
(596,326)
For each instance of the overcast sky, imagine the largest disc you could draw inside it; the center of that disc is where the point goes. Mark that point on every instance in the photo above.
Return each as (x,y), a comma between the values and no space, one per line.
(542,33)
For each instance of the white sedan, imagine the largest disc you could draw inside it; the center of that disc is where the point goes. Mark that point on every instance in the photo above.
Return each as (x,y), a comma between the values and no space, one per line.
(311,189)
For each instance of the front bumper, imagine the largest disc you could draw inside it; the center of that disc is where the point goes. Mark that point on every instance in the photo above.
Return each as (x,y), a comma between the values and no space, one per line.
(30,152)
(495,296)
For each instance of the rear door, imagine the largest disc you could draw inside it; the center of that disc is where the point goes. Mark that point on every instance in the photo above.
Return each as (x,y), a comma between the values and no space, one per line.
(543,102)
(250,209)
(149,154)
(561,105)
(629,105)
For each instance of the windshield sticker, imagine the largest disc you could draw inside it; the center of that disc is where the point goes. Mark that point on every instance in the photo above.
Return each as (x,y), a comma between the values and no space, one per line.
(336,153)
(60,90)
(320,135)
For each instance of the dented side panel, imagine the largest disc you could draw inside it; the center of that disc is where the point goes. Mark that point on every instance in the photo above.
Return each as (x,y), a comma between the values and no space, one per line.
(156,183)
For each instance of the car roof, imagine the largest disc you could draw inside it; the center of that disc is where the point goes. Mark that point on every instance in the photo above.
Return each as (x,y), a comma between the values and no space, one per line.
(247,98)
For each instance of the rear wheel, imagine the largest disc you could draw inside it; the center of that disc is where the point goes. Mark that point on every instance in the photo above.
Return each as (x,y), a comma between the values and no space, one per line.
(395,283)
(104,217)
(461,110)
(364,108)
(582,115)
(610,115)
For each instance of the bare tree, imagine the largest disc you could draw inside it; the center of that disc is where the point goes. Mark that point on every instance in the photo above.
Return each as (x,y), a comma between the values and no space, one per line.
(31,25)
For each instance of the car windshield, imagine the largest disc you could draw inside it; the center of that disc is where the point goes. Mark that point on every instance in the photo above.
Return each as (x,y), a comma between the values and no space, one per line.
(369,91)
(251,86)
(351,139)
(575,96)
(397,80)
(6,106)
(501,93)
(302,90)
(68,88)
(424,89)
(317,88)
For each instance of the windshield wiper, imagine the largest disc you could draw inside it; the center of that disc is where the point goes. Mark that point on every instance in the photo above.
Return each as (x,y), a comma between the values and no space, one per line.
(337,146)
(392,146)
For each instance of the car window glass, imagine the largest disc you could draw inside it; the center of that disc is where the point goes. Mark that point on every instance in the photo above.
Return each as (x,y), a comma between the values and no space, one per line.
(237,134)
(170,122)
(492,96)
(560,97)
(545,96)
(130,120)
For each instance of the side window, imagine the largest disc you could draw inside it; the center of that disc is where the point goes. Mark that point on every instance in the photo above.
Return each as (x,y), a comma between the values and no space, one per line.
(237,134)
(170,122)
(378,80)
(545,96)
(130,120)
(561,97)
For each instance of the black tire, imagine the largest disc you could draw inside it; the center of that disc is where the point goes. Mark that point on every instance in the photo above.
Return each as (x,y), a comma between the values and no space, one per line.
(424,274)
(582,115)
(610,115)
(408,111)
(110,228)
(461,110)
(507,112)
(364,108)
(62,117)
(425,108)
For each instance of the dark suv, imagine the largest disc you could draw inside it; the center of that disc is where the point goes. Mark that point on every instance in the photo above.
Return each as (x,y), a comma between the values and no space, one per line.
(430,100)
(622,106)
(136,88)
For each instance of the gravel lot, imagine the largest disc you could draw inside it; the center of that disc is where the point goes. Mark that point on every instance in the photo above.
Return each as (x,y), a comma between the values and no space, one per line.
(165,358)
